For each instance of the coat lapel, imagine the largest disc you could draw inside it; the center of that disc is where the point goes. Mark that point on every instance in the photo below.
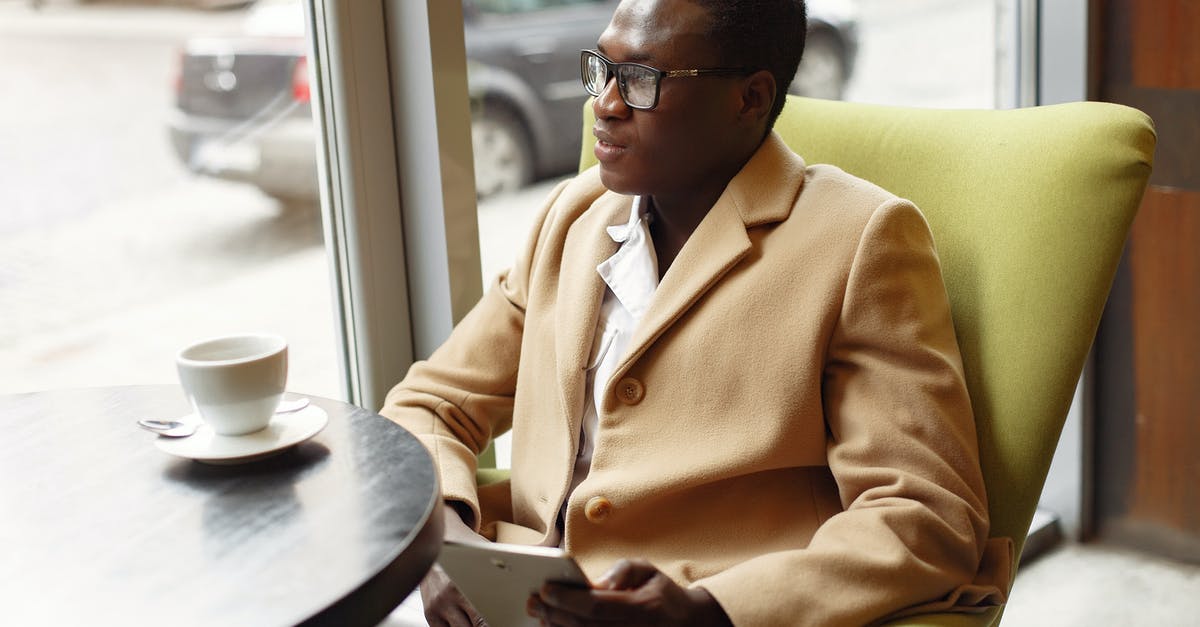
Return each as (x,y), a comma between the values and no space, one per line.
(717,245)
(581,291)
(763,192)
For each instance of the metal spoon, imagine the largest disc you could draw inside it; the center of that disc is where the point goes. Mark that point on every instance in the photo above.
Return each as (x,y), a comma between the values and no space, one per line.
(169,428)
(181,429)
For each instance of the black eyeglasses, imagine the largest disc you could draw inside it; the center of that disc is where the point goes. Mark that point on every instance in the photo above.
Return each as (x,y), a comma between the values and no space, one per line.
(638,84)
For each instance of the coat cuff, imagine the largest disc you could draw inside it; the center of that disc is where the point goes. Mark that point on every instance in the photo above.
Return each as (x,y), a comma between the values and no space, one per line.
(456,467)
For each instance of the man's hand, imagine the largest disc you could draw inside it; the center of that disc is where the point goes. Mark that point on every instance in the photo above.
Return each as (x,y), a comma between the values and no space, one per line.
(444,604)
(634,592)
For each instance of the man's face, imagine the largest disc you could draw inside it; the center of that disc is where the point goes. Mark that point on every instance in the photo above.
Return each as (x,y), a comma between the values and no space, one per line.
(686,138)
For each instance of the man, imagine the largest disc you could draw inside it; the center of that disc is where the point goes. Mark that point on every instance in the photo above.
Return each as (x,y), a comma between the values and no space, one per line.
(732,380)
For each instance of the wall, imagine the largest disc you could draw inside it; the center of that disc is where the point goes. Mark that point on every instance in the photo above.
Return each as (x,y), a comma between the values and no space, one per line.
(1147,55)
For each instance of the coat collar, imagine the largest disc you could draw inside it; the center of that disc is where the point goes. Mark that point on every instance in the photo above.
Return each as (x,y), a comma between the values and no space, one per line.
(766,188)
(763,192)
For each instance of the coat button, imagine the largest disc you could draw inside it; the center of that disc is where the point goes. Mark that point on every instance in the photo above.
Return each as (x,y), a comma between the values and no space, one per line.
(597,509)
(630,391)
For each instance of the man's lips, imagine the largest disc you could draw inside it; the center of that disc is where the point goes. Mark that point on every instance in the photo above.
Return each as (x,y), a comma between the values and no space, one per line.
(607,146)
(606,137)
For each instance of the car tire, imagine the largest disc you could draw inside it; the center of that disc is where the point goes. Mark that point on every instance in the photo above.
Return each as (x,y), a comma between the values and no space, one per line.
(502,151)
(822,71)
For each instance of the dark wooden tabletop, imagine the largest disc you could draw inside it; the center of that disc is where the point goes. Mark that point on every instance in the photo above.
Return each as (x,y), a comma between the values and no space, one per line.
(99,527)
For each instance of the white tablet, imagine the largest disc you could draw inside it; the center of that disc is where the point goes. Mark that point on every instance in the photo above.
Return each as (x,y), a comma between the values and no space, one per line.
(498,578)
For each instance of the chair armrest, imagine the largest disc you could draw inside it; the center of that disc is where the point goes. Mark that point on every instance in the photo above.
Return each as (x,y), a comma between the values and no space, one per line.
(487,476)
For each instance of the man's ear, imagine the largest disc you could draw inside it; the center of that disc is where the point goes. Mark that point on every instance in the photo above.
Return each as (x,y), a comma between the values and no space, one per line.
(758,95)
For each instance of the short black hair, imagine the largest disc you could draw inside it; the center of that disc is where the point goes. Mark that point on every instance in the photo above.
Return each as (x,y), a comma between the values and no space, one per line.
(760,35)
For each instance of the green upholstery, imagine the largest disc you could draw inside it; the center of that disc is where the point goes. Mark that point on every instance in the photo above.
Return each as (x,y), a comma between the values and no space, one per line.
(1029,209)
(487,459)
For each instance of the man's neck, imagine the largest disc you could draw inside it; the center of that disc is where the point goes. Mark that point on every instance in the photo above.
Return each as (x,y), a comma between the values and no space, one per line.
(675,215)
(672,223)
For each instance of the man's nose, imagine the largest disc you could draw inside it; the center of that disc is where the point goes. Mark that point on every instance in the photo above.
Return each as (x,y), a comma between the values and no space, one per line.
(609,103)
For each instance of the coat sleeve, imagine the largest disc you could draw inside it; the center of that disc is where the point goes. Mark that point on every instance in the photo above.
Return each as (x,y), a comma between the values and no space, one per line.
(901,446)
(459,399)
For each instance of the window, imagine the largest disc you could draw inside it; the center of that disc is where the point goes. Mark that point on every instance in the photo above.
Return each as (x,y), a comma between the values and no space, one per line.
(160,185)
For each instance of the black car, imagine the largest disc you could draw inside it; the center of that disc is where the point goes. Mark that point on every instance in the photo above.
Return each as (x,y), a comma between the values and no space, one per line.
(242,108)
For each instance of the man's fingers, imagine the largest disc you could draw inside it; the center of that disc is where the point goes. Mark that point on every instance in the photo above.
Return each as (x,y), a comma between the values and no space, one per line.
(656,600)
(444,604)
(535,608)
(466,618)
(599,605)
(452,616)
(556,617)
(473,617)
(627,575)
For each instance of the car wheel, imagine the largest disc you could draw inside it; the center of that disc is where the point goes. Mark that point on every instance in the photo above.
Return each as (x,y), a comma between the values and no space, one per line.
(503,157)
(822,72)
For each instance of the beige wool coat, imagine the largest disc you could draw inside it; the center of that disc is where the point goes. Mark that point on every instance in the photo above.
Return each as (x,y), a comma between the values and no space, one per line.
(790,428)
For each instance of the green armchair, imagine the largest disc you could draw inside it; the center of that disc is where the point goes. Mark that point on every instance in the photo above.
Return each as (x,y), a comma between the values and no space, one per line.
(1029,209)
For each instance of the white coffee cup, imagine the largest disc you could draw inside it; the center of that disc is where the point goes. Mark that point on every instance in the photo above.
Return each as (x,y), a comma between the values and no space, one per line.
(235,383)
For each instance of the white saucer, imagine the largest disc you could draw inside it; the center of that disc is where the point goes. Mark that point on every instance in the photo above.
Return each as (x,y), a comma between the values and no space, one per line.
(285,430)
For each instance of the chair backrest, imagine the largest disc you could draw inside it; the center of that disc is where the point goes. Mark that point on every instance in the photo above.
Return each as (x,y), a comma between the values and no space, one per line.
(1029,210)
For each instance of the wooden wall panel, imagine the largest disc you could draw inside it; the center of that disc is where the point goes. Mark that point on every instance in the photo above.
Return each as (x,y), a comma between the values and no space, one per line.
(1166,46)
(1166,350)
(1147,55)
(1146,399)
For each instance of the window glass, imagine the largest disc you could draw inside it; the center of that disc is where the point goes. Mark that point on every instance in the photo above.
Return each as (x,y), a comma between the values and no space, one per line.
(925,53)
(159,177)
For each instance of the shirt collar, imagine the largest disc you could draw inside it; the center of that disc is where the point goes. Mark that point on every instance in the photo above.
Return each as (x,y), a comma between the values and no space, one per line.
(621,232)
(632,272)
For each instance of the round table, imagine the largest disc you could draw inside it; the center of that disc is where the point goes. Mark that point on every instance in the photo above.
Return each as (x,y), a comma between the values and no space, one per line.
(99,527)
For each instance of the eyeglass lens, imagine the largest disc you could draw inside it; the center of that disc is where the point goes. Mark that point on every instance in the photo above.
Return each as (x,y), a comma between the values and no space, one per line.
(636,83)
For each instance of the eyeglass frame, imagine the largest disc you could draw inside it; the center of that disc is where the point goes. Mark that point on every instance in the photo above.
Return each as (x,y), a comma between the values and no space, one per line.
(610,73)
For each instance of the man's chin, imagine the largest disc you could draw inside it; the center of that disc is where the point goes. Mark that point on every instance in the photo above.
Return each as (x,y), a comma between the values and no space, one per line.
(616,181)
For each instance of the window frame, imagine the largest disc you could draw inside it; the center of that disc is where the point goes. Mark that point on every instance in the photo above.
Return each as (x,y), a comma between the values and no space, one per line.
(400,227)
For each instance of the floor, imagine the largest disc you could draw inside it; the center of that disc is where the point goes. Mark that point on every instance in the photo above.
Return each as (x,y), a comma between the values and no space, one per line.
(1095,584)
(1072,585)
